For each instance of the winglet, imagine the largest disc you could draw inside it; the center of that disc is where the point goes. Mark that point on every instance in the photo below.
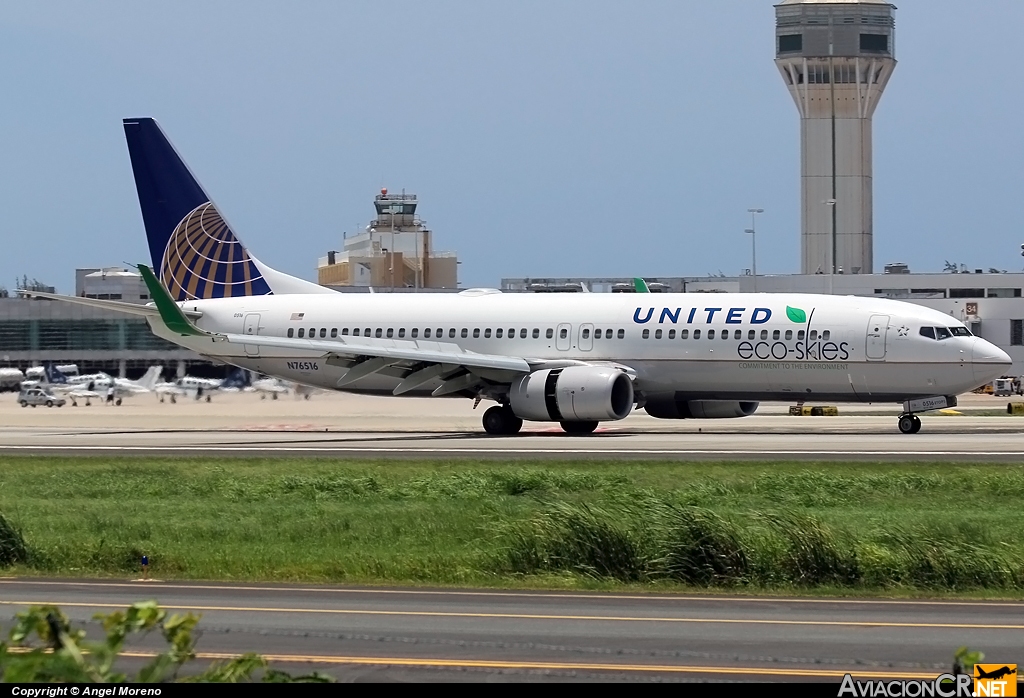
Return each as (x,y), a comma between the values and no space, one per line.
(640,286)
(170,313)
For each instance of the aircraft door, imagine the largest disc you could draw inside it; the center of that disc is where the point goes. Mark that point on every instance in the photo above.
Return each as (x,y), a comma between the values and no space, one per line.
(251,326)
(878,330)
(586,341)
(563,337)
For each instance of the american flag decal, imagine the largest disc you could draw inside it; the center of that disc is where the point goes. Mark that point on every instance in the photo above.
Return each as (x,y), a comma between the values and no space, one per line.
(298,316)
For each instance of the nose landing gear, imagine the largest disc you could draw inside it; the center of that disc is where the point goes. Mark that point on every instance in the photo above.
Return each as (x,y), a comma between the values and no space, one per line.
(909,423)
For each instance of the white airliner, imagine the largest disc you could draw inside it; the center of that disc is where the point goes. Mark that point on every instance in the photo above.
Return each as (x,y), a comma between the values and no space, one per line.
(576,359)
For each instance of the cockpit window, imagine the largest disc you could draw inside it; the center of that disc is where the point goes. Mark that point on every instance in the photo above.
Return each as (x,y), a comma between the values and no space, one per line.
(942,333)
(960,331)
(928,332)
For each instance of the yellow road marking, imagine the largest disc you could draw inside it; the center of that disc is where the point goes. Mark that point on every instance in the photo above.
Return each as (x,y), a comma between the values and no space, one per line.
(524,595)
(534,616)
(571,666)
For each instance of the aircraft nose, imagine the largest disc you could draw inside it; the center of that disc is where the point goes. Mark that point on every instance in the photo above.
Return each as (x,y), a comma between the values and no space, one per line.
(989,361)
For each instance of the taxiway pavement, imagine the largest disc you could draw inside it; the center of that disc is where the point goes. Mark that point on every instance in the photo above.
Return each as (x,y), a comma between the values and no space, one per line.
(343,425)
(381,634)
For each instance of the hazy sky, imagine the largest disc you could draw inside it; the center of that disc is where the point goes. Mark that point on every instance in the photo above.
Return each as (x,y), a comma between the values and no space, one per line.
(543,138)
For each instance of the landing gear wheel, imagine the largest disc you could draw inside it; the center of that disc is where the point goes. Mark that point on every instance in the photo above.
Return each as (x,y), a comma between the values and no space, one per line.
(500,420)
(578,427)
(909,424)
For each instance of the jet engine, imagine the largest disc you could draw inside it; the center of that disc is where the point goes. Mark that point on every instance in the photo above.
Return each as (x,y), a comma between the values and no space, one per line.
(576,393)
(668,406)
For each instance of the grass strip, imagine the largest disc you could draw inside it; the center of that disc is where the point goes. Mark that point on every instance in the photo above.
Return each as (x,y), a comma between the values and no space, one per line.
(947,528)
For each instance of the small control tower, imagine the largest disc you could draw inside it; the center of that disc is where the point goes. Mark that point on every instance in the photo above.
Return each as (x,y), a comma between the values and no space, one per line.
(836,57)
(394,251)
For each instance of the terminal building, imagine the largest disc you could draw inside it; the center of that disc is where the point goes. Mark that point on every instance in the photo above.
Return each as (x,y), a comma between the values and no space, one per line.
(393,253)
(35,331)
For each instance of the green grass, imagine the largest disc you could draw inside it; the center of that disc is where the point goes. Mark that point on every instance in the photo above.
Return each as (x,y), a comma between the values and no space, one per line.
(856,527)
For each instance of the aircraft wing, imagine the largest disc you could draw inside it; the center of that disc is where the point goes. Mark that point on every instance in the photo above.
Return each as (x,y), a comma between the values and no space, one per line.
(120,306)
(417,362)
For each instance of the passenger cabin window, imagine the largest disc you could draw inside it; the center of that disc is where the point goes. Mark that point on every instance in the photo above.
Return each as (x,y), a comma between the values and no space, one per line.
(764,334)
(366,332)
(928,332)
(401,332)
(646,334)
(344,331)
(551,333)
(476,333)
(684,334)
(334,332)
(622,334)
(415,332)
(451,333)
(378,333)
(711,334)
(671,334)
(465,333)
(657,334)
(725,334)
(751,334)
(814,335)
(302,332)
(789,334)
(800,334)
(586,333)
(498,333)
(291,331)
(696,334)
(826,334)
(608,334)
(775,334)
(597,334)
(563,333)
(487,333)
(536,333)
(391,332)
(355,331)
(323,333)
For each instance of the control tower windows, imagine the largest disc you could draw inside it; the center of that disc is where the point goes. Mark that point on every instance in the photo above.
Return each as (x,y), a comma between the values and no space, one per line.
(791,43)
(874,43)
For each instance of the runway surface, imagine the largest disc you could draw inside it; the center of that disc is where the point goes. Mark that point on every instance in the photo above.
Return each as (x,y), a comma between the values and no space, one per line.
(377,634)
(360,426)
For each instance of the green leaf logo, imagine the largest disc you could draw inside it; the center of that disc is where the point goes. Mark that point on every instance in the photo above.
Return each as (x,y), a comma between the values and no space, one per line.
(796,315)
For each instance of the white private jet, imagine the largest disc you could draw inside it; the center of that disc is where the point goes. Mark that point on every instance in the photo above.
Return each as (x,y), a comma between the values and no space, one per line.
(96,386)
(575,359)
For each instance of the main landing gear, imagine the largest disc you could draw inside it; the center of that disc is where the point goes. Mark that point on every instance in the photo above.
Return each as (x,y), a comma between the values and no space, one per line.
(500,420)
(909,423)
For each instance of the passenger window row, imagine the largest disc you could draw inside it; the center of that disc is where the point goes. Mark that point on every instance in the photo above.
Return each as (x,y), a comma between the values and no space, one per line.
(452,333)
(738,334)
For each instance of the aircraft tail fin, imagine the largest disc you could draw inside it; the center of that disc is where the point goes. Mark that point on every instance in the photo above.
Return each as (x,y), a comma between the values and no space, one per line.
(53,375)
(151,377)
(194,250)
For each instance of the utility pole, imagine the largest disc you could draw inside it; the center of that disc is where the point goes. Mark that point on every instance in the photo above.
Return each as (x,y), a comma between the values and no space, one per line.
(753,241)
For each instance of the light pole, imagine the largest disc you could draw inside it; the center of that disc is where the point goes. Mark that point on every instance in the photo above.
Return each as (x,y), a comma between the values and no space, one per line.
(753,241)
(831,203)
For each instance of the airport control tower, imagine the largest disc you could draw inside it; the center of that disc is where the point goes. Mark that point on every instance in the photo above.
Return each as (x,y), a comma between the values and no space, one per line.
(836,57)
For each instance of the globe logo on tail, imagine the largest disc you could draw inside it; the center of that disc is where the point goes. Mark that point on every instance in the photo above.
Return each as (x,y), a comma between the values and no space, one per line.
(204,259)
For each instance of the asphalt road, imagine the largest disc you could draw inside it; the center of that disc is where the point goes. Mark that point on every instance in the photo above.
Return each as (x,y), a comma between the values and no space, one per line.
(420,634)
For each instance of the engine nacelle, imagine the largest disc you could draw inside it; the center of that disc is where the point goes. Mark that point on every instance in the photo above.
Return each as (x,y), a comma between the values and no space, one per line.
(576,393)
(670,407)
